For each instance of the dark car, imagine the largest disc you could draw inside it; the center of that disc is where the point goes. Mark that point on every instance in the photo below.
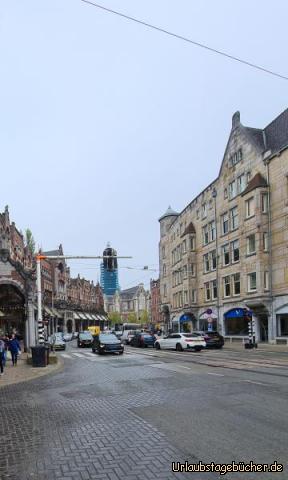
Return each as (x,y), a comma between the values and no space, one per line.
(107,343)
(85,339)
(212,339)
(143,340)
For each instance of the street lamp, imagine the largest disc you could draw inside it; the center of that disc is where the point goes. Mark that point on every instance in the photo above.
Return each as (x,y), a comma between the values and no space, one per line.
(214,195)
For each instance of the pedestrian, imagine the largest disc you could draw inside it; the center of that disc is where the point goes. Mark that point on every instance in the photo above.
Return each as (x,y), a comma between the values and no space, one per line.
(2,352)
(14,347)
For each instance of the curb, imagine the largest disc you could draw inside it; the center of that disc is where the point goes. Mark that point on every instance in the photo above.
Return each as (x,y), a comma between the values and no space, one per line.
(42,373)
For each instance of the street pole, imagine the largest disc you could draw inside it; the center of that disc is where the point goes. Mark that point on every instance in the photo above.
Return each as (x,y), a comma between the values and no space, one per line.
(40,326)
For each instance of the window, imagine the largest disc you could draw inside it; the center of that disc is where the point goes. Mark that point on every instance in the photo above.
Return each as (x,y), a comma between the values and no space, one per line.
(226,255)
(252,282)
(234,218)
(225,193)
(266,280)
(207,291)
(205,235)
(204,210)
(248,175)
(165,291)
(264,202)
(235,251)
(192,269)
(227,291)
(185,297)
(214,289)
(206,262)
(184,247)
(192,243)
(193,296)
(239,155)
(185,271)
(232,189)
(265,242)
(197,214)
(164,270)
(251,244)
(163,252)
(225,223)
(250,207)
(241,183)
(236,284)
(212,231)
(213,260)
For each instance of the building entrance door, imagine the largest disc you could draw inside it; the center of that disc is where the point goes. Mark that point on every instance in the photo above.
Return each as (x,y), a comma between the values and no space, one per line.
(263,323)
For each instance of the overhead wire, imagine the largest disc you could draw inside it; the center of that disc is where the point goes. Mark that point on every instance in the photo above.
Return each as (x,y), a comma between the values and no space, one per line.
(188,40)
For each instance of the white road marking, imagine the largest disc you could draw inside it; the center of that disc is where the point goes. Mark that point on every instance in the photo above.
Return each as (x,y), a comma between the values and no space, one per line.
(90,354)
(256,383)
(216,374)
(65,355)
(79,355)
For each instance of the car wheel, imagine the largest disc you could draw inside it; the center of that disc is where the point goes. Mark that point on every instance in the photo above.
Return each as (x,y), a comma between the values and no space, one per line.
(93,350)
(157,346)
(219,347)
(197,349)
(179,347)
(121,353)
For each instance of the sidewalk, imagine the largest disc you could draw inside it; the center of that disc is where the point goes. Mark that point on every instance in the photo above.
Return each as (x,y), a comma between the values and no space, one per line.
(24,372)
(262,347)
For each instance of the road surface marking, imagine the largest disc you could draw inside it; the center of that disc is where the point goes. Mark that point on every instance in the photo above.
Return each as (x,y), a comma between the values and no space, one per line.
(65,355)
(79,355)
(217,374)
(90,354)
(256,383)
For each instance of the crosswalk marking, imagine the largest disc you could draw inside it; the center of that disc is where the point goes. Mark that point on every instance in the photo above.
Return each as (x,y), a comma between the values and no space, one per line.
(65,355)
(79,355)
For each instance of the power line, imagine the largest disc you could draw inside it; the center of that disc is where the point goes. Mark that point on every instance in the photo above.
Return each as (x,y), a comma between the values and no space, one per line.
(185,39)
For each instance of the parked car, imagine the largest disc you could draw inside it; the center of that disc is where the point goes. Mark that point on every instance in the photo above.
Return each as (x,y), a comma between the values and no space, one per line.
(212,339)
(67,337)
(107,343)
(56,342)
(181,341)
(131,334)
(75,335)
(142,339)
(85,339)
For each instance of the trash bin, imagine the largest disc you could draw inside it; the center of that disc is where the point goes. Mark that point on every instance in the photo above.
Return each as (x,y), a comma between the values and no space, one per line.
(39,356)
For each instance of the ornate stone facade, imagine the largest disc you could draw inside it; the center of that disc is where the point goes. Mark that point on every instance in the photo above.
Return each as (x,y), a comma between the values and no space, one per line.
(226,252)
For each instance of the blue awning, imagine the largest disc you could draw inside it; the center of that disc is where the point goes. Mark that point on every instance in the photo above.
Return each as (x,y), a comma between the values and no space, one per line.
(238,313)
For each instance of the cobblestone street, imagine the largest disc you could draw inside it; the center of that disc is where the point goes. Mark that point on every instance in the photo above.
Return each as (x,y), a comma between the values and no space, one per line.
(129,417)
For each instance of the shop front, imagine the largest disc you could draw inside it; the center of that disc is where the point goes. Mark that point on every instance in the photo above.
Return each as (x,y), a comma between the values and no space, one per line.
(208,321)
(185,323)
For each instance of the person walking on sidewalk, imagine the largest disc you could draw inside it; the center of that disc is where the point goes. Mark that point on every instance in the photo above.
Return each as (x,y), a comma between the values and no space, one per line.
(2,353)
(14,347)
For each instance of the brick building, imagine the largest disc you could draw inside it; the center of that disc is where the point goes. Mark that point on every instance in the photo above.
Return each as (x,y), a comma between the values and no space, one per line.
(156,316)
(68,304)
(226,252)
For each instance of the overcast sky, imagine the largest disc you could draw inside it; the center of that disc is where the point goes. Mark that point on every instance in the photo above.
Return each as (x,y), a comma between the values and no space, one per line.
(104,123)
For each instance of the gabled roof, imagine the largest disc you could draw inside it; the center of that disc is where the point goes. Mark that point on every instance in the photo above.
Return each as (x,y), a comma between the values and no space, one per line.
(189,229)
(256,182)
(276,133)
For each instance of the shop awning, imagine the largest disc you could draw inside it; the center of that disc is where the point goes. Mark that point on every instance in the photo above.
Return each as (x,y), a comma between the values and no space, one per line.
(76,316)
(48,311)
(56,313)
(82,316)
(93,316)
(89,316)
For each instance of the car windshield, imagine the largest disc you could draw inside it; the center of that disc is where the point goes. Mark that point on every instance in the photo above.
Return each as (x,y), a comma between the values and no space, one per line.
(189,335)
(85,336)
(146,335)
(107,336)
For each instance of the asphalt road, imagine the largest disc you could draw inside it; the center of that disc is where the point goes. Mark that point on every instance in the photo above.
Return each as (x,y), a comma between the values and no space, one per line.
(131,416)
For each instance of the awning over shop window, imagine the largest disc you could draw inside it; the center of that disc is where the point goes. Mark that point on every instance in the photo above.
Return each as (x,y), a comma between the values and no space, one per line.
(187,317)
(56,313)
(89,316)
(48,311)
(76,316)
(206,315)
(238,313)
(82,316)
